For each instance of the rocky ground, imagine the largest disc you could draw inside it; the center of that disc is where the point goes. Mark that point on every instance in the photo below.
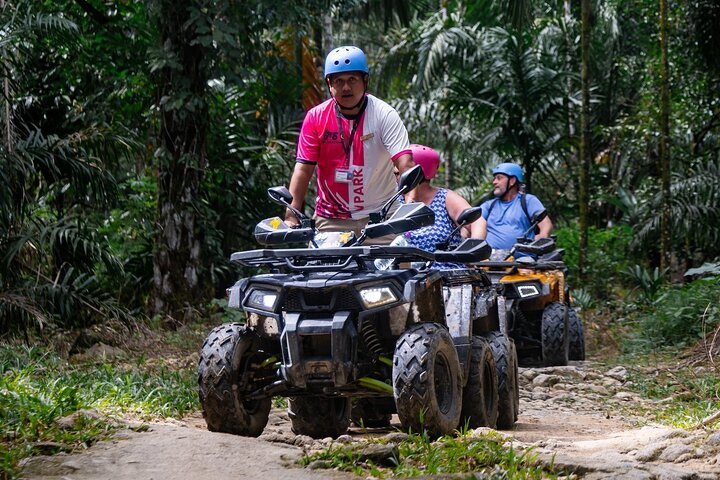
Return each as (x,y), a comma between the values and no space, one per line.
(588,420)
(583,417)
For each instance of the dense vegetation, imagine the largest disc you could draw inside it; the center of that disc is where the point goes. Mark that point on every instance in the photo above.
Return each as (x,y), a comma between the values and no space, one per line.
(139,136)
(138,139)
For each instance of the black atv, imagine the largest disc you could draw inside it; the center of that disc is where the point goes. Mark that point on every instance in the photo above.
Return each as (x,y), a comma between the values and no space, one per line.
(346,341)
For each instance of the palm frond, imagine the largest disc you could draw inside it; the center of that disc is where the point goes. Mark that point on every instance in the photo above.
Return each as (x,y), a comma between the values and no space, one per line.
(52,160)
(70,298)
(518,13)
(19,21)
(76,298)
(444,40)
(694,211)
(16,309)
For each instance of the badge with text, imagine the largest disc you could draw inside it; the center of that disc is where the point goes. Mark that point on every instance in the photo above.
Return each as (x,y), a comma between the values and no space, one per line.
(343,176)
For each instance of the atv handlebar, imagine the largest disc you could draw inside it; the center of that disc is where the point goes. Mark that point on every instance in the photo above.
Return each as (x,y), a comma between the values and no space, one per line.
(470,250)
(510,264)
(537,247)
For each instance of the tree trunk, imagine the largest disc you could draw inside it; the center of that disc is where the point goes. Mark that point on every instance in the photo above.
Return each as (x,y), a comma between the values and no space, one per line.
(664,136)
(572,161)
(448,154)
(181,156)
(327,35)
(585,156)
(8,139)
(529,171)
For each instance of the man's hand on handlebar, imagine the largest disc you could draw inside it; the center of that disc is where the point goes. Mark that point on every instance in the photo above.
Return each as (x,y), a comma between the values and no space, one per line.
(290,220)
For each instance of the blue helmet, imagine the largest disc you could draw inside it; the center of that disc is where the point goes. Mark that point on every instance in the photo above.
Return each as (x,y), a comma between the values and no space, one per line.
(346,59)
(509,169)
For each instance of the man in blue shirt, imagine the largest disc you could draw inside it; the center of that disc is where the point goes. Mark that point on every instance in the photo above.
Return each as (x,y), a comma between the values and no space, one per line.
(507,216)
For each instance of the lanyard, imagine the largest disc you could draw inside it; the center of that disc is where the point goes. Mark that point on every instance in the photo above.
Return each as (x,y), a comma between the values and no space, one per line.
(357,120)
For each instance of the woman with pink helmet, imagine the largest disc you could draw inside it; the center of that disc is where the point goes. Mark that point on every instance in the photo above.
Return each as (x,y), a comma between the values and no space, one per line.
(446,204)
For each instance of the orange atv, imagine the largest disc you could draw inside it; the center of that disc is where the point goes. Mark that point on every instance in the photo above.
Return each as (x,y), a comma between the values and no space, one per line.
(535,301)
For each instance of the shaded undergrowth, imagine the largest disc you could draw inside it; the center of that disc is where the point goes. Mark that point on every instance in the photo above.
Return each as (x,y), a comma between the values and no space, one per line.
(48,405)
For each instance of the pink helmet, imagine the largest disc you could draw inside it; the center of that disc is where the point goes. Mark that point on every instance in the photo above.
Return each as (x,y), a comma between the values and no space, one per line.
(427,158)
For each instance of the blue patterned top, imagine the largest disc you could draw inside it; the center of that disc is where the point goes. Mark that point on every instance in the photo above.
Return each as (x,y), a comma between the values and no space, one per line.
(427,238)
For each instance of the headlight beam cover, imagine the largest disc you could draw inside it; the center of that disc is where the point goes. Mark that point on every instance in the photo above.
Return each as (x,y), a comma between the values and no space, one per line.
(262,299)
(373,297)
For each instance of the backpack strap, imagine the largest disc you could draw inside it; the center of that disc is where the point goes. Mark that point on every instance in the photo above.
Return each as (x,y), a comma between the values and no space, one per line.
(492,205)
(523,204)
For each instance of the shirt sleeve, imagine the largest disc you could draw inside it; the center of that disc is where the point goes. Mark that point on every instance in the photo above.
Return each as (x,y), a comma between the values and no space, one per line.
(534,204)
(308,146)
(394,134)
(485,206)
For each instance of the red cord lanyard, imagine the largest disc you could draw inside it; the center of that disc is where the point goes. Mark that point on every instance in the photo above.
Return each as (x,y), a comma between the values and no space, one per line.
(358,118)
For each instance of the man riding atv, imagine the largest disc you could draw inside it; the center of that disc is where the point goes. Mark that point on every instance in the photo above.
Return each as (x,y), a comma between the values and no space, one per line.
(351,143)
(526,263)
(510,213)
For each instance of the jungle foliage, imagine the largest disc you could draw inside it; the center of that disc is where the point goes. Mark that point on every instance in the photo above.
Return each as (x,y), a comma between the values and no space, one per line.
(138,138)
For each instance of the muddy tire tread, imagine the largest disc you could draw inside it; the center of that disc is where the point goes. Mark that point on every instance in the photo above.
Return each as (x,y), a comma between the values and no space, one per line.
(224,409)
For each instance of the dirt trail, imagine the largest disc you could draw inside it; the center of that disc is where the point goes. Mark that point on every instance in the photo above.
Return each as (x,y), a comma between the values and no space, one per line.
(181,450)
(573,416)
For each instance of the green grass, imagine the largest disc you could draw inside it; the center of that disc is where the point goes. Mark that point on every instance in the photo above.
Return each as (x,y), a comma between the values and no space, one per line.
(664,344)
(681,386)
(682,396)
(484,456)
(663,339)
(37,388)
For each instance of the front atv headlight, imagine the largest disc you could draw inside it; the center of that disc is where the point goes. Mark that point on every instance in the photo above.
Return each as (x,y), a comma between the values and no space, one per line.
(262,300)
(377,296)
(527,291)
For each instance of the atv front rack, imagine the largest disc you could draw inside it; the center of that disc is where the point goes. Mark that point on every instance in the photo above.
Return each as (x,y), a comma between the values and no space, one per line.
(513,264)
(470,251)
(304,259)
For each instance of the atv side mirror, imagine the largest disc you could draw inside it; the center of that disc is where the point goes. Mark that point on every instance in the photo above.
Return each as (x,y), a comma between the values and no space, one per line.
(282,196)
(539,216)
(469,215)
(408,180)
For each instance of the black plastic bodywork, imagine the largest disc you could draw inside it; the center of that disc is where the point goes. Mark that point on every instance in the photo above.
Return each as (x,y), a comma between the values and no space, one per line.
(327,338)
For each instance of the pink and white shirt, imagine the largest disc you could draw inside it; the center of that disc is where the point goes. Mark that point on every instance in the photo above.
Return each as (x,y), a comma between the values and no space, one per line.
(360,185)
